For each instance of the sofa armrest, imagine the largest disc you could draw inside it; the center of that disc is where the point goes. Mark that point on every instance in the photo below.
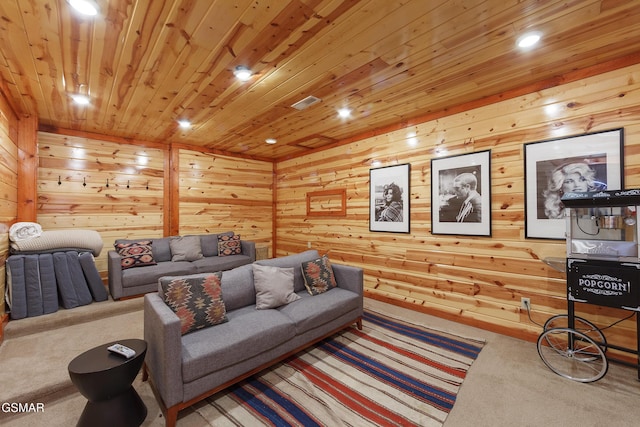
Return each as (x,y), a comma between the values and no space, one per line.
(248,248)
(349,277)
(114,268)
(164,349)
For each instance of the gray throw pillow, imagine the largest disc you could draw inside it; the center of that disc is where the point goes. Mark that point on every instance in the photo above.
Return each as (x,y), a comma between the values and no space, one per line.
(274,286)
(186,248)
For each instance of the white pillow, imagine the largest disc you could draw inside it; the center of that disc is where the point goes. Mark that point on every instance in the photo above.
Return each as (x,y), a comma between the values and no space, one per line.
(274,286)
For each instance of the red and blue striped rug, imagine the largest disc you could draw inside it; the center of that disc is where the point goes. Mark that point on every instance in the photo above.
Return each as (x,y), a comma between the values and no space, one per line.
(390,373)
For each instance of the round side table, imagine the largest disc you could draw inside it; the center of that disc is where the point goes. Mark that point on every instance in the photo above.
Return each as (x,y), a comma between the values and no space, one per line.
(105,380)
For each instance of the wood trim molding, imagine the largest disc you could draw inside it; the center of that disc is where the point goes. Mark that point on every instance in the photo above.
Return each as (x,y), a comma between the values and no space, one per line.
(27,169)
(315,207)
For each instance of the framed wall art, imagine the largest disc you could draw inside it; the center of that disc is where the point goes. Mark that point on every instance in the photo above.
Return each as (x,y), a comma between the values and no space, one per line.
(389,193)
(589,162)
(461,194)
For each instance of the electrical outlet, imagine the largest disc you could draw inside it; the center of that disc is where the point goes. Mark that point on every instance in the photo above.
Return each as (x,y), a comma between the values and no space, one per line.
(525,303)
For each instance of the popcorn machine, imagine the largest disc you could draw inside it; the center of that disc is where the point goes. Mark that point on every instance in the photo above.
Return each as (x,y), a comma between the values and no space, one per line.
(603,248)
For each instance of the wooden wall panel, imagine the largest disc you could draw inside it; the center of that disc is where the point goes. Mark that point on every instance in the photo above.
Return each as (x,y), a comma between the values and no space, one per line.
(8,189)
(131,206)
(476,280)
(220,193)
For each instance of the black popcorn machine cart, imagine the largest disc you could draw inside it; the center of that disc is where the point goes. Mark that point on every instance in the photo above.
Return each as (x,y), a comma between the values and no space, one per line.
(603,264)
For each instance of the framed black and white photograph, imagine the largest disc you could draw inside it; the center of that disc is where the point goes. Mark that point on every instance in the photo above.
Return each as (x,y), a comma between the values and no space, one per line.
(582,163)
(461,194)
(389,194)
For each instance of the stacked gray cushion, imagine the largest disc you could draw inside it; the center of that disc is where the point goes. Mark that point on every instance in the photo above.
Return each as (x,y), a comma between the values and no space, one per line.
(16,284)
(77,278)
(32,286)
(48,284)
(92,276)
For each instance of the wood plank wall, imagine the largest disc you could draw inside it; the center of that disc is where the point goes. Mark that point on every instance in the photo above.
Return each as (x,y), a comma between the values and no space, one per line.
(474,280)
(215,192)
(73,191)
(220,193)
(8,188)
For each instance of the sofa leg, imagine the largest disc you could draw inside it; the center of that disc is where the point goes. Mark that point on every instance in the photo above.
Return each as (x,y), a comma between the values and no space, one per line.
(145,372)
(171,416)
(359,324)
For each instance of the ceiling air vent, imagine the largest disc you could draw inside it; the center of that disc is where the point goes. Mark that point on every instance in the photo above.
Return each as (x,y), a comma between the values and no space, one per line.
(307,102)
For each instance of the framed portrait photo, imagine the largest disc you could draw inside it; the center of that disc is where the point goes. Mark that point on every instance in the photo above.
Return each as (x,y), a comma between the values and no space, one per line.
(584,163)
(389,193)
(461,194)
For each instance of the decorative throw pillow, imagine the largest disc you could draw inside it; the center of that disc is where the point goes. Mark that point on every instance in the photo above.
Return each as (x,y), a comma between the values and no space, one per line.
(196,299)
(318,275)
(229,245)
(135,254)
(274,286)
(185,248)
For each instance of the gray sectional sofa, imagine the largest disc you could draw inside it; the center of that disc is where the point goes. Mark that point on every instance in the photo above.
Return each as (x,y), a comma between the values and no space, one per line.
(144,278)
(184,369)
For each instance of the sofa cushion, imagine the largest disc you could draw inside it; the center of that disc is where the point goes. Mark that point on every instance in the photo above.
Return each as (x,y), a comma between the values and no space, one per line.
(216,263)
(209,243)
(196,300)
(159,246)
(162,249)
(318,275)
(310,312)
(150,275)
(274,286)
(237,287)
(229,245)
(249,332)
(135,254)
(294,261)
(185,248)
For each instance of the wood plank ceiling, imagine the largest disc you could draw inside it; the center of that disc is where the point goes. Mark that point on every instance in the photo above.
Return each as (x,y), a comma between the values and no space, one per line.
(146,63)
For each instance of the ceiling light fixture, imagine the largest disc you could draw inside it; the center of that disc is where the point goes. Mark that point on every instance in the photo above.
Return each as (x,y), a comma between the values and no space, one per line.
(344,112)
(85,7)
(270,140)
(242,73)
(184,124)
(81,99)
(529,39)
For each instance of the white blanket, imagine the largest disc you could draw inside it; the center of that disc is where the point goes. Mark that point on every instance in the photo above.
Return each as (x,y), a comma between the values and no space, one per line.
(24,231)
(48,241)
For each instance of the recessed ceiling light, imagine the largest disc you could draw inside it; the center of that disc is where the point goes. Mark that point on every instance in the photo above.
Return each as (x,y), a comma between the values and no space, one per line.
(242,73)
(529,39)
(85,7)
(270,140)
(81,99)
(184,124)
(344,113)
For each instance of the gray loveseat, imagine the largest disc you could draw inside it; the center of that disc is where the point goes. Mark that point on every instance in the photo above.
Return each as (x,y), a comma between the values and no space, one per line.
(144,278)
(184,369)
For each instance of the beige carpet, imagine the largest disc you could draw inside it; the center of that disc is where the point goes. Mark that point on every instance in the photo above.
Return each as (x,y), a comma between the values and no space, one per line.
(507,385)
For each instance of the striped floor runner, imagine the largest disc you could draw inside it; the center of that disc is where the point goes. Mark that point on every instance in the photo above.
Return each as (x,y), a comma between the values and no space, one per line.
(390,373)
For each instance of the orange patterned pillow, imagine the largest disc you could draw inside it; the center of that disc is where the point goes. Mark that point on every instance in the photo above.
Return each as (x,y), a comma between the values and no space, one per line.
(229,245)
(196,299)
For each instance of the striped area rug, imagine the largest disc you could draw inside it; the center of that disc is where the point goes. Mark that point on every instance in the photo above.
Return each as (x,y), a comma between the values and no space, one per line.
(390,373)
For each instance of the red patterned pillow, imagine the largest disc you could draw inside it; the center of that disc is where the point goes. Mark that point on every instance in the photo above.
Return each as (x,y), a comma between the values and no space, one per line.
(135,254)
(318,275)
(229,245)
(196,299)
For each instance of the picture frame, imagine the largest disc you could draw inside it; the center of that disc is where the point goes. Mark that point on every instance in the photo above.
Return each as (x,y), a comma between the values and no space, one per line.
(390,214)
(461,194)
(590,162)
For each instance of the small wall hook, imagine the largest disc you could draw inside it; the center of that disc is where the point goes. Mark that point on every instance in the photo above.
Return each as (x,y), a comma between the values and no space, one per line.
(59,182)
(147,185)
(127,184)
(84,182)
(107,182)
